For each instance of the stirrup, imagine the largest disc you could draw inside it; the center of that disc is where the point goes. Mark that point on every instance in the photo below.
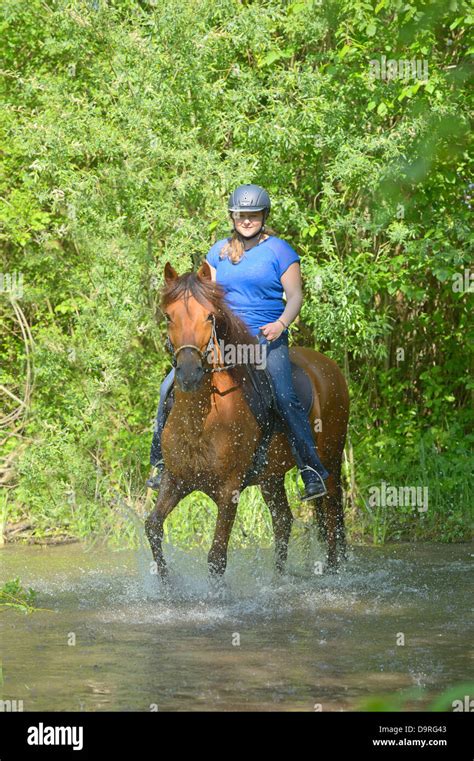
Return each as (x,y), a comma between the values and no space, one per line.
(315,489)
(155,479)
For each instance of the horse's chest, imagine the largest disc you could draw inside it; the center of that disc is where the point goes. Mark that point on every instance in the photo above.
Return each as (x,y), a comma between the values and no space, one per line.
(186,454)
(195,453)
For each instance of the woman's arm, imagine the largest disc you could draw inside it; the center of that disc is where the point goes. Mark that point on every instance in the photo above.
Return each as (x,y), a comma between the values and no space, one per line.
(292,285)
(291,282)
(213,271)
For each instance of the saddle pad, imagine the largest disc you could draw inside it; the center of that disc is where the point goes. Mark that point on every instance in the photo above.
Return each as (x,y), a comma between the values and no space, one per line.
(258,390)
(303,387)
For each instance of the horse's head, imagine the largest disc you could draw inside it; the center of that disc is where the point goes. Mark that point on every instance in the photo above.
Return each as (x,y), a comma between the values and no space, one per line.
(190,316)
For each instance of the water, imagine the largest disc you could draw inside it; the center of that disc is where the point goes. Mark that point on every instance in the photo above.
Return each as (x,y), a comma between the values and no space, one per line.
(262,643)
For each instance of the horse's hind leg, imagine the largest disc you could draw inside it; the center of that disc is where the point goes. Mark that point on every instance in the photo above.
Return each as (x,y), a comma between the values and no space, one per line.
(334,518)
(274,494)
(340,527)
(169,496)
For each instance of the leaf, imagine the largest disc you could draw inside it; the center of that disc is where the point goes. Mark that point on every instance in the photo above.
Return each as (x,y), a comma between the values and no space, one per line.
(275,55)
(442,275)
(343,52)
(456,23)
(297,7)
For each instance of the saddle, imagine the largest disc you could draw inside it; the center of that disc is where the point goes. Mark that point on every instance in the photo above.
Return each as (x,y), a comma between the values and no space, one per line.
(259,394)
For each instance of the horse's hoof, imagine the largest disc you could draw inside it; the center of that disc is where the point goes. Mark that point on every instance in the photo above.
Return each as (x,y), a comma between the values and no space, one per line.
(280,577)
(218,589)
(163,574)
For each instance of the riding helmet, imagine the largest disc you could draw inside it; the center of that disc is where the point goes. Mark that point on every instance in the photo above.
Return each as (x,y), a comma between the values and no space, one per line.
(250,198)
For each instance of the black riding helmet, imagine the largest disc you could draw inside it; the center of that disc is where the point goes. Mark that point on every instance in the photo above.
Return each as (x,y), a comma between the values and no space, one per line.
(250,198)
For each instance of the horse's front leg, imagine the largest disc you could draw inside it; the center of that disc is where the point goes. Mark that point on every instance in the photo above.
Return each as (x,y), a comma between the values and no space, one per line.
(168,497)
(227,499)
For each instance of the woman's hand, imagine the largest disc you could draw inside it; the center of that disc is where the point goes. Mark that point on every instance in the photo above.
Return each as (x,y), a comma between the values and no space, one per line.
(272,330)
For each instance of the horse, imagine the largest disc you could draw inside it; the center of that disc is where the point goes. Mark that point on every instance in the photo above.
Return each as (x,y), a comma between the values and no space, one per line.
(210,434)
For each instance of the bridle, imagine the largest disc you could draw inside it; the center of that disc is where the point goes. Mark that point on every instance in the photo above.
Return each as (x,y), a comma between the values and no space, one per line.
(211,345)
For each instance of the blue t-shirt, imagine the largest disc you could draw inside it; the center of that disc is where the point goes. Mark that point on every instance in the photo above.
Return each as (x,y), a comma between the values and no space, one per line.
(253,286)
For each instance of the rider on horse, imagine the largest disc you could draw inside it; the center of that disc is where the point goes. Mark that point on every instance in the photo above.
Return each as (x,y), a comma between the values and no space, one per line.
(255,269)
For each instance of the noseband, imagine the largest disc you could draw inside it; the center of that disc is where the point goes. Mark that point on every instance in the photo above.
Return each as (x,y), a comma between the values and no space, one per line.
(202,354)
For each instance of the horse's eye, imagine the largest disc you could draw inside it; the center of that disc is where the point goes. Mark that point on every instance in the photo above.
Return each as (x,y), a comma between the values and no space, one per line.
(168,318)
(209,317)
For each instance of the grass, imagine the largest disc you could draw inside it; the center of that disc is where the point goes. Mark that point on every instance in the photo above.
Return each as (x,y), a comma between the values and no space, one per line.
(112,507)
(446,470)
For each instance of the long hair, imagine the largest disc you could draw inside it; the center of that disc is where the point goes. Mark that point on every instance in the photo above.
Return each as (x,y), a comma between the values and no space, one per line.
(234,248)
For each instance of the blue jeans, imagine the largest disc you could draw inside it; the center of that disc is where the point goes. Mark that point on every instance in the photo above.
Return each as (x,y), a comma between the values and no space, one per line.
(291,410)
(155,453)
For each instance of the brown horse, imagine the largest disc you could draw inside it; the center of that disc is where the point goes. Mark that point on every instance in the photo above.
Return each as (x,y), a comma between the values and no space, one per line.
(211,434)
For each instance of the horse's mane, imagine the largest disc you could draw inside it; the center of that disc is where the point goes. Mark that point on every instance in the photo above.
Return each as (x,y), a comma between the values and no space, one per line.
(229,328)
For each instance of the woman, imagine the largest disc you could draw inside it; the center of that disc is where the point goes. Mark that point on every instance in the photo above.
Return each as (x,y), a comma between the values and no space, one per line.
(255,268)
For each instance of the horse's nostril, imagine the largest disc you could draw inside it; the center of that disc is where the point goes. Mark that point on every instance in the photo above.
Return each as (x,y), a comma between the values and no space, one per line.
(189,378)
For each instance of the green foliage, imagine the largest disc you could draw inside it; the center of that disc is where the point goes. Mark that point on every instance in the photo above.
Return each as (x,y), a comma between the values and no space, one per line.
(439,460)
(125,125)
(417,698)
(13,595)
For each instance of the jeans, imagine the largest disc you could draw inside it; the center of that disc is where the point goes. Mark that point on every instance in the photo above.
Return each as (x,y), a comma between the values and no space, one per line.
(291,410)
(155,453)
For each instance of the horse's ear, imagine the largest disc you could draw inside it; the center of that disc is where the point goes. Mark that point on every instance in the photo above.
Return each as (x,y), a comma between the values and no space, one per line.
(170,273)
(204,271)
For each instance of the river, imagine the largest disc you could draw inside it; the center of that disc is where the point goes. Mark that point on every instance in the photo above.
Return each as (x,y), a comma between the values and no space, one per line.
(395,619)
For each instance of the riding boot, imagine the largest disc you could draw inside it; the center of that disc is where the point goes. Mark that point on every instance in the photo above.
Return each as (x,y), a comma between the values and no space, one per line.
(314,483)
